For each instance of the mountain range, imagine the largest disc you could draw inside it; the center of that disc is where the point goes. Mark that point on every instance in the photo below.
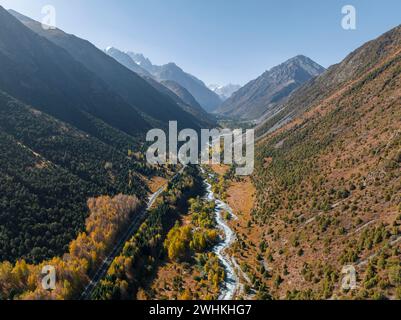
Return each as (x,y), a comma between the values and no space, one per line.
(208,99)
(57,84)
(262,95)
(154,108)
(168,87)
(127,61)
(226,91)
(315,91)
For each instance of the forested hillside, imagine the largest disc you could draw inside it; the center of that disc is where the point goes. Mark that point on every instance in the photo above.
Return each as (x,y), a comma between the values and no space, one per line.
(329,185)
(66,137)
(109,217)
(48,171)
(134,269)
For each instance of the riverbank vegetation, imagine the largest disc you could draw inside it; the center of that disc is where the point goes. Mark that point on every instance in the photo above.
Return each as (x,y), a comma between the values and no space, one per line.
(240,197)
(183,242)
(134,269)
(191,270)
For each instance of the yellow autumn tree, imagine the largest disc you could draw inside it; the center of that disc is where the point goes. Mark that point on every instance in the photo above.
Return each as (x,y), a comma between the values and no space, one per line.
(107,219)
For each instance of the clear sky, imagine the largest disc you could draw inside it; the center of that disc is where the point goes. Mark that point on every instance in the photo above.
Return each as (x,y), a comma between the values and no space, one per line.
(221,41)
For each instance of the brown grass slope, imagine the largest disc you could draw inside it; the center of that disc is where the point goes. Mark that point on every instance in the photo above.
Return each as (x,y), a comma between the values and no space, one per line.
(329,185)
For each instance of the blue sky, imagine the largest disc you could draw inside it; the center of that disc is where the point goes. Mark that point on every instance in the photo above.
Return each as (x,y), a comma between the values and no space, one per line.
(221,41)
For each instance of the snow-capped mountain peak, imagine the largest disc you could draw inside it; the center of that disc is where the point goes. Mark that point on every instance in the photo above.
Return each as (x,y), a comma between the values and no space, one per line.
(226,91)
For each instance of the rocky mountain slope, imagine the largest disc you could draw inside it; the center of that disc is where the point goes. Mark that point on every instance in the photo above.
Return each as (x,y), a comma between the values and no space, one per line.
(126,61)
(137,93)
(268,91)
(225,92)
(39,73)
(169,88)
(320,88)
(208,99)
